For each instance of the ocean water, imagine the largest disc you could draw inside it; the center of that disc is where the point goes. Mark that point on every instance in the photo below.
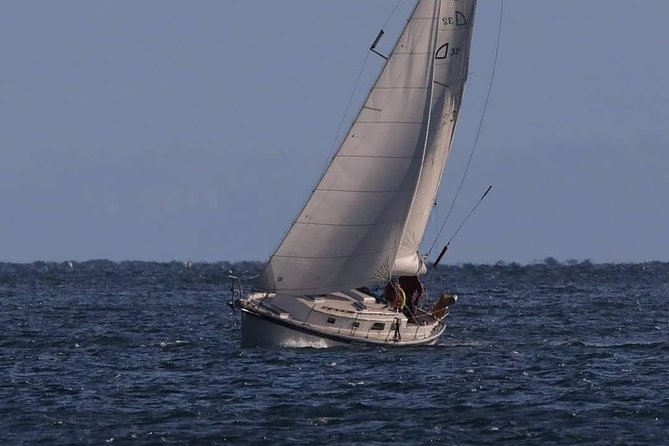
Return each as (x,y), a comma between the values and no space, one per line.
(148,353)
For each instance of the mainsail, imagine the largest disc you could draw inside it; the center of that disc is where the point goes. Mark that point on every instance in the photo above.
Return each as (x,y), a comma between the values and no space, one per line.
(367,216)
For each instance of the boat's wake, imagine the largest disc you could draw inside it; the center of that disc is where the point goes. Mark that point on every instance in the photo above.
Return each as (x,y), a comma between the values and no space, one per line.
(305,343)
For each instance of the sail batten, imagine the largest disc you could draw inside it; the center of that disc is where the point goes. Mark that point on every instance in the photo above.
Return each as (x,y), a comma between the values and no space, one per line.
(393,122)
(377,156)
(341,225)
(399,88)
(360,191)
(365,215)
(340,257)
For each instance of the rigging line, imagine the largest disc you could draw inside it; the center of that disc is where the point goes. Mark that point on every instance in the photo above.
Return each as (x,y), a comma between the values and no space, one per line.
(480,126)
(355,88)
(430,95)
(443,251)
(348,107)
(468,215)
(392,13)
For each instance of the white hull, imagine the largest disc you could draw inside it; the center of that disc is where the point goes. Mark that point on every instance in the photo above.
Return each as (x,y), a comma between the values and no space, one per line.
(259,332)
(337,319)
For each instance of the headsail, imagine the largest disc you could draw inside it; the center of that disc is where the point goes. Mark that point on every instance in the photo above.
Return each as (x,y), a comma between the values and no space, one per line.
(450,73)
(370,204)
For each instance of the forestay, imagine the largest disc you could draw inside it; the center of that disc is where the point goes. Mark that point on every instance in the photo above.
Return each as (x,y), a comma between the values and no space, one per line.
(372,203)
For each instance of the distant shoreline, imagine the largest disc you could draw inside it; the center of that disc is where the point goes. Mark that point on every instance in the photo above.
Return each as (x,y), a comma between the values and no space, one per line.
(255,264)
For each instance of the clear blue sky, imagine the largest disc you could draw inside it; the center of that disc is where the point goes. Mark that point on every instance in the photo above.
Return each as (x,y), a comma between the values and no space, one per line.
(160,130)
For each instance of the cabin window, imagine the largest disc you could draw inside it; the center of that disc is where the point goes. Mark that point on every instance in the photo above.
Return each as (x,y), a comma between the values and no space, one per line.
(378,326)
(331,320)
(355,324)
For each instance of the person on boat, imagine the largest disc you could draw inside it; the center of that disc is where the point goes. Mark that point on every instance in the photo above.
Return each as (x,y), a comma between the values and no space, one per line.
(440,309)
(395,295)
(415,291)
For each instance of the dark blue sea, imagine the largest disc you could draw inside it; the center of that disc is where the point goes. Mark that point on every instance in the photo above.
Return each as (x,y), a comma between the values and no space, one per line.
(143,353)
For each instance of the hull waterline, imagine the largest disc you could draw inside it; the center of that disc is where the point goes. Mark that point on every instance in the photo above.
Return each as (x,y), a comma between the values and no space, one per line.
(263,330)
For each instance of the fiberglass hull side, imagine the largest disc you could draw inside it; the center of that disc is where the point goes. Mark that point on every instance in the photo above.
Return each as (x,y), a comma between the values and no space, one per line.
(260,330)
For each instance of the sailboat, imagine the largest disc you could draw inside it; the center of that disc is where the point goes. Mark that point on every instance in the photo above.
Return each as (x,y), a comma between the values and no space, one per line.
(363,224)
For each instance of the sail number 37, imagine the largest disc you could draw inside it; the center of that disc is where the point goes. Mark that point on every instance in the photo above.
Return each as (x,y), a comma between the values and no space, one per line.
(444,51)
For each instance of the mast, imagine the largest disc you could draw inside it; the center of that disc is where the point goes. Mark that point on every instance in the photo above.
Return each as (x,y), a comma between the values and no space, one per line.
(419,267)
